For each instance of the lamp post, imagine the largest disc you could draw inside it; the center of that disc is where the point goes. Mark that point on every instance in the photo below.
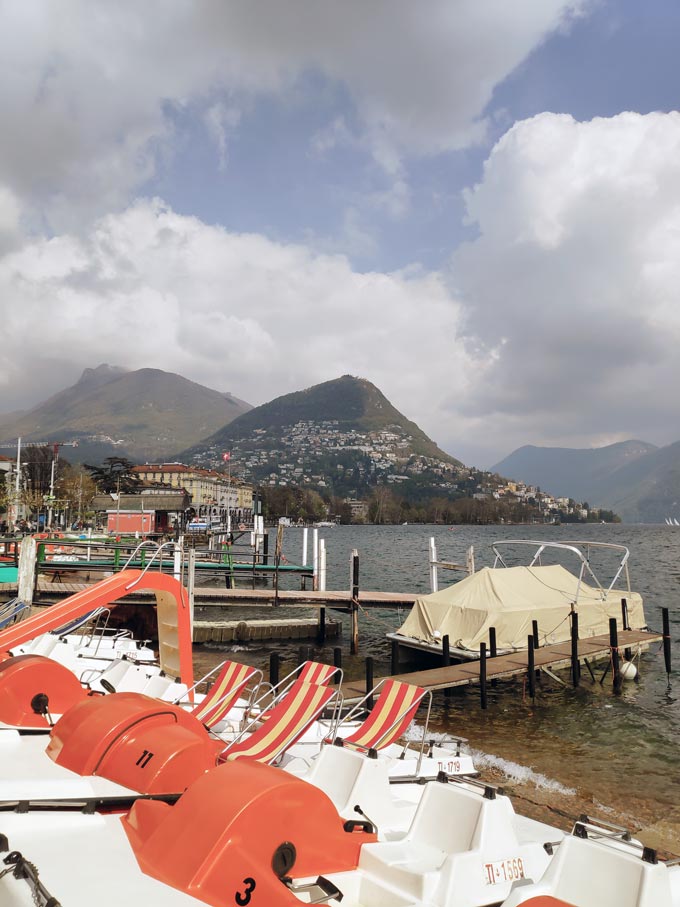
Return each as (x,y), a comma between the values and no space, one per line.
(226,457)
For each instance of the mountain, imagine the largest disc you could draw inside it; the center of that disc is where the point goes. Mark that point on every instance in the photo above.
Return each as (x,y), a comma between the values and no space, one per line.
(147,414)
(637,480)
(342,436)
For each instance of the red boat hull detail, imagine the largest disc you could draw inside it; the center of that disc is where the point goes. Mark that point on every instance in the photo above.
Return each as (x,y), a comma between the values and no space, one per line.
(134,740)
(218,841)
(545,900)
(171,598)
(24,677)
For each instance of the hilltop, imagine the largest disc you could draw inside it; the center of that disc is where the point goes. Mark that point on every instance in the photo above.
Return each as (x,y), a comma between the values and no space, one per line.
(343,436)
(147,413)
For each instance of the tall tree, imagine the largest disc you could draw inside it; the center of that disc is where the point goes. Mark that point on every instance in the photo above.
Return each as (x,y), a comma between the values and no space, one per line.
(114,475)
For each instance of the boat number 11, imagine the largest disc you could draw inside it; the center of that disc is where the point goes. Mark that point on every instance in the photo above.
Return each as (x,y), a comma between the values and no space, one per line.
(244,898)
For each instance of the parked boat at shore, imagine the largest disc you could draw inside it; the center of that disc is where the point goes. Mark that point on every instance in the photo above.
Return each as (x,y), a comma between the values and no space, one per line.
(249,833)
(508,598)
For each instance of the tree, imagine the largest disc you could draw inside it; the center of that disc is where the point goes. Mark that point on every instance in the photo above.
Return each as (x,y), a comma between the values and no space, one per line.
(75,490)
(114,475)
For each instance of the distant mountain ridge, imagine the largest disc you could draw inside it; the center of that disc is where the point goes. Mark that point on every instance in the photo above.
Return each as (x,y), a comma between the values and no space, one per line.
(637,480)
(344,431)
(142,413)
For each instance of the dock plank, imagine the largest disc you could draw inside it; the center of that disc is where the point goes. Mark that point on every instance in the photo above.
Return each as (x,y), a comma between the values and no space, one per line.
(512,665)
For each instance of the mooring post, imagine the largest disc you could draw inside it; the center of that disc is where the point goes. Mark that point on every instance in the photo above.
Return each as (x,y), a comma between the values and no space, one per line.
(493,648)
(369,681)
(354,647)
(666,643)
(534,631)
(446,660)
(614,644)
(625,625)
(337,657)
(531,666)
(321,631)
(434,583)
(305,654)
(394,657)
(274,660)
(575,666)
(482,674)
(28,570)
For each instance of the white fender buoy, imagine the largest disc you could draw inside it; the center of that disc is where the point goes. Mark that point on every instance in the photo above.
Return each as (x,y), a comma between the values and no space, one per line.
(628,670)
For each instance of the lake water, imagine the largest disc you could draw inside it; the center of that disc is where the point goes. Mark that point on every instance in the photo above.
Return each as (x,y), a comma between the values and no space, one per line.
(616,750)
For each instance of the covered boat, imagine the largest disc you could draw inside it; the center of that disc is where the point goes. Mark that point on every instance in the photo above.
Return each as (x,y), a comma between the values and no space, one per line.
(510,598)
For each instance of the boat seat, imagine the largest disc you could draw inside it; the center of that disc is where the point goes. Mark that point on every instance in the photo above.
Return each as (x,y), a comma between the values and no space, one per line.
(457,830)
(124,676)
(157,686)
(352,779)
(42,645)
(175,692)
(599,871)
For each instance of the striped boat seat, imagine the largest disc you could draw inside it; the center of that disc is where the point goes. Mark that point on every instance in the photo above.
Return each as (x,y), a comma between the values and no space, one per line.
(389,718)
(222,695)
(287,721)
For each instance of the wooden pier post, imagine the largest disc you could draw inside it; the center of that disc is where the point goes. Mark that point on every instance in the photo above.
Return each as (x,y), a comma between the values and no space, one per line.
(369,681)
(354,646)
(315,559)
(625,625)
(27,574)
(305,654)
(534,631)
(614,644)
(575,666)
(337,657)
(493,650)
(394,657)
(531,666)
(434,582)
(278,550)
(666,643)
(446,661)
(321,632)
(274,660)
(482,674)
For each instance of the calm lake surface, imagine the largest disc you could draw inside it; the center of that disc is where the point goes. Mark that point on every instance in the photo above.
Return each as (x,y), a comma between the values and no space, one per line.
(621,750)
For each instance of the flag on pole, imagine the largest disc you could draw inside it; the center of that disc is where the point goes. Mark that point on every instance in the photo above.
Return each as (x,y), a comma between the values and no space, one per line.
(226,456)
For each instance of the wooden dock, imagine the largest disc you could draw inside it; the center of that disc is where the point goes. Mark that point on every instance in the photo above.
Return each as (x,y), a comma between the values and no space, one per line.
(263,597)
(222,631)
(502,667)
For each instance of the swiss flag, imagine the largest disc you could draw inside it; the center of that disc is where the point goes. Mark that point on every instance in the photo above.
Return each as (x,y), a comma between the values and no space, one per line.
(226,457)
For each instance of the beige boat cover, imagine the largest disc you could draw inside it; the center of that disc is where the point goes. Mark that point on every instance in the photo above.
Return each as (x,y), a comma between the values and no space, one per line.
(509,598)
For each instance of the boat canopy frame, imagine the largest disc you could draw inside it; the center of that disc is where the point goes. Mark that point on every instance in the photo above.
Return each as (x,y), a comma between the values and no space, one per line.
(580,549)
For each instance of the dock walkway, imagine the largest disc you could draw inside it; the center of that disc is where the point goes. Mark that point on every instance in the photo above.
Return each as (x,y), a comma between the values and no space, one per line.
(553,657)
(210,595)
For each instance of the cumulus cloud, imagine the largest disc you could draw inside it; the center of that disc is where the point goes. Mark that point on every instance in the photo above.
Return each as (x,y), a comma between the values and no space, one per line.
(237,312)
(89,90)
(570,288)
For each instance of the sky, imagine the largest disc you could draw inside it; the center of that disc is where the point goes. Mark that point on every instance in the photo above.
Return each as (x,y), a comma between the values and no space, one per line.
(474,204)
